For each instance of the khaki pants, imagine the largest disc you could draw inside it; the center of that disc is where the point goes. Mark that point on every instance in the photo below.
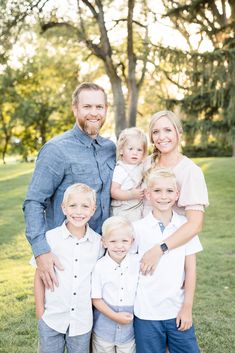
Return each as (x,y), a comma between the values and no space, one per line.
(100,346)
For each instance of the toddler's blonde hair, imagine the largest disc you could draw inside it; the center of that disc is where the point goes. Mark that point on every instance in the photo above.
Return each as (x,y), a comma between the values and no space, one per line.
(132,132)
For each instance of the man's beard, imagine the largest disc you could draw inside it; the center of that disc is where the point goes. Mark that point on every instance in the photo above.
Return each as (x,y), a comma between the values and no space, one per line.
(92,129)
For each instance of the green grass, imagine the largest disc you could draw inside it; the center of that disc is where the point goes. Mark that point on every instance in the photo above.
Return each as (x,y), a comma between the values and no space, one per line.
(214,309)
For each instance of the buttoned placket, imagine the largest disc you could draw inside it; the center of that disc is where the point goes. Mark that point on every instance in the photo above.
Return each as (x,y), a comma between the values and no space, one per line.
(95,145)
(74,308)
(121,292)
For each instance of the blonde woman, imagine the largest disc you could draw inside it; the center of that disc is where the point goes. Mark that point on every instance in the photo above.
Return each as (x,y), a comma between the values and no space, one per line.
(165,131)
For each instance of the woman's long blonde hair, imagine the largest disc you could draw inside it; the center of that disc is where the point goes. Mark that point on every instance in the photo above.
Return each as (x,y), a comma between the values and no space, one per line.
(173,118)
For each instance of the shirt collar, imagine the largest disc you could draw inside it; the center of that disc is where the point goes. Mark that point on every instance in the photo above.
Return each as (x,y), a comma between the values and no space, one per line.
(66,233)
(114,265)
(85,138)
(152,221)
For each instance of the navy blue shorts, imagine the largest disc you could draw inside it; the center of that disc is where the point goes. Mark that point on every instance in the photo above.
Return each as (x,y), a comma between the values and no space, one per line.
(152,336)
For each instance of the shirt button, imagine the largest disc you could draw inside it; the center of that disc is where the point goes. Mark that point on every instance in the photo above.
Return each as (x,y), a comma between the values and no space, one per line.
(120,300)
(122,288)
(75,276)
(72,309)
(76,259)
(121,274)
(77,243)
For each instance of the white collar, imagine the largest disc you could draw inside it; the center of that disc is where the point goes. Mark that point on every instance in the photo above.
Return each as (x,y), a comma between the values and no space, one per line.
(66,233)
(114,265)
(175,221)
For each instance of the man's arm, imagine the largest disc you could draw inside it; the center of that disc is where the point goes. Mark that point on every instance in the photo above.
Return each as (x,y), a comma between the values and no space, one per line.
(184,318)
(48,175)
(185,233)
(122,318)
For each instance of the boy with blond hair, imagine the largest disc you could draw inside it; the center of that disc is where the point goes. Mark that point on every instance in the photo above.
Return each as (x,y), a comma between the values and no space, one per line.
(65,314)
(114,283)
(164,301)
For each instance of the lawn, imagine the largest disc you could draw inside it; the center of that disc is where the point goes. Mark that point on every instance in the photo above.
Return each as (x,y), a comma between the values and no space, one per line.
(214,309)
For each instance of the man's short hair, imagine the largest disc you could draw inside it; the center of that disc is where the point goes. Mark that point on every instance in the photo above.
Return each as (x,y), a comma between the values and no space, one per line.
(86,86)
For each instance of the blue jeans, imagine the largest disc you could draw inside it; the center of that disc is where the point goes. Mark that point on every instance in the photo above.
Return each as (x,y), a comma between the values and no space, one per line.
(51,341)
(152,336)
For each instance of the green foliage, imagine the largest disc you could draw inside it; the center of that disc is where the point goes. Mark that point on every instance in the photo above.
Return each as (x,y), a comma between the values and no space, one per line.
(206,79)
(212,149)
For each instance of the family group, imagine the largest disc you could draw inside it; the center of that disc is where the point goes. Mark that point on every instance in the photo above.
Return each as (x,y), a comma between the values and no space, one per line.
(115,242)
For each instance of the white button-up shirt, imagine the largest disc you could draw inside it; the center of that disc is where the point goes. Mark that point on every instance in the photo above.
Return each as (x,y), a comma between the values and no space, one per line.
(69,305)
(160,296)
(116,284)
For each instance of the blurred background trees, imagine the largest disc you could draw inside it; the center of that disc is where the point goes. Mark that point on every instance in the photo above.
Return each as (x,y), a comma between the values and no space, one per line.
(149,55)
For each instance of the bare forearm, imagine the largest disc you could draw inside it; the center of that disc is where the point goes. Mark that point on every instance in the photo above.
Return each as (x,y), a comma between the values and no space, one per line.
(121,195)
(187,231)
(100,305)
(190,279)
(39,295)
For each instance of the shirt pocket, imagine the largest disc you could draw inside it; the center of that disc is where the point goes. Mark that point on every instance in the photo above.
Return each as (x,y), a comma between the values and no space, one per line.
(85,173)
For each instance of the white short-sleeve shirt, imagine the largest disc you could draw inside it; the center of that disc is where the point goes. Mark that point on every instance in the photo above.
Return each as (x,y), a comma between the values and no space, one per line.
(69,305)
(129,176)
(160,296)
(116,283)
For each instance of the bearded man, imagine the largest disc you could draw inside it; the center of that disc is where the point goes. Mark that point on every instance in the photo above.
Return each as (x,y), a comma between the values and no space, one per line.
(79,155)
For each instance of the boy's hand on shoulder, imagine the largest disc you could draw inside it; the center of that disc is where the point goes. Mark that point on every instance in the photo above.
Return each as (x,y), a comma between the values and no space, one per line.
(124,318)
(149,260)
(184,320)
(45,264)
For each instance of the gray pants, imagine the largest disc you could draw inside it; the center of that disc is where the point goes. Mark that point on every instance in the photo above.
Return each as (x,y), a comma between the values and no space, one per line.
(51,341)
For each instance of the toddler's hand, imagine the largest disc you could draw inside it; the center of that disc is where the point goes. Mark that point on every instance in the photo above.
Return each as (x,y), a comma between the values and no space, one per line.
(137,194)
(124,318)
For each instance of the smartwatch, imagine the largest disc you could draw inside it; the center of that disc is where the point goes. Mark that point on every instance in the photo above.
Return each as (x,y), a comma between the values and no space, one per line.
(164,248)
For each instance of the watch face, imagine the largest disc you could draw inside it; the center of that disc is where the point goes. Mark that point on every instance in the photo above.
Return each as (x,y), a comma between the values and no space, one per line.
(164,247)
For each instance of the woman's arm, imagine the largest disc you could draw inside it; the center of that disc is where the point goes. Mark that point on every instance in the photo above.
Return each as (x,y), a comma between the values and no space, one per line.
(184,318)
(185,233)
(120,317)
(125,195)
(39,295)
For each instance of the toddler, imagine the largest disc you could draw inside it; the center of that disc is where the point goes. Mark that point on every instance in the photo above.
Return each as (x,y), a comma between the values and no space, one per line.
(126,191)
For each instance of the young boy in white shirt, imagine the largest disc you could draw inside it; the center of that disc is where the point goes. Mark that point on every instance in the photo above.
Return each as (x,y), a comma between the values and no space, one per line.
(65,314)
(114,283)
(164,300)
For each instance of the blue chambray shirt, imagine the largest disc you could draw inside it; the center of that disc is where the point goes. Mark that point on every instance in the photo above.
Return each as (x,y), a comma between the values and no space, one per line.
(72,157)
